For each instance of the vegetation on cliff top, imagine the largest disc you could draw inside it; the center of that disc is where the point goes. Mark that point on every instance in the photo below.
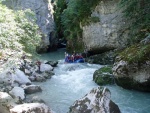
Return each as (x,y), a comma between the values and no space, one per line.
(18,30)
(136,53)
(138,12)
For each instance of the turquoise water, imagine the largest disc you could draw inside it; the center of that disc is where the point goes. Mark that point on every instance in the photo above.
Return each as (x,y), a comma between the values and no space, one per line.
(73,81)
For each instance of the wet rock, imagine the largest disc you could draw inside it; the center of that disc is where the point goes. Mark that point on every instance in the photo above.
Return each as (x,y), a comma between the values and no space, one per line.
(32,89)
(48,75)
(31,108)
(106,58)
(97,101)
(103,76)
(36,99)
(52,63)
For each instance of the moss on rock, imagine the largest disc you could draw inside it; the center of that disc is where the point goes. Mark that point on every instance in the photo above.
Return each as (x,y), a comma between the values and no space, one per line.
(103,76)
(136,53)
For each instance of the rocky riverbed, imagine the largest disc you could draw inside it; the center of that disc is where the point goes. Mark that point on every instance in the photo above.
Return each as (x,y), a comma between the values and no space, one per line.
(17,81)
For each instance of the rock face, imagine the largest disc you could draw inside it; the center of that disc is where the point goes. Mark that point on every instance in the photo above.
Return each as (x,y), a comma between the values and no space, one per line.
(97,101)
(44,13)
(108,33)
(31,108)
(106,58)
(132,75)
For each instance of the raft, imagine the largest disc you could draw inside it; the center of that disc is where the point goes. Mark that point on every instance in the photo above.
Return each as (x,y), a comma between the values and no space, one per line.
(80,60)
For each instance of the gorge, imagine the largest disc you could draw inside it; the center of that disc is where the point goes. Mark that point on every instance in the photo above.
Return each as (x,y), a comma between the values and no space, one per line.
(111,35)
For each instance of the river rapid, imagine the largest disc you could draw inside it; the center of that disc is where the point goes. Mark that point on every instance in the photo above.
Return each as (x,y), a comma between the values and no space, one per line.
(73,81)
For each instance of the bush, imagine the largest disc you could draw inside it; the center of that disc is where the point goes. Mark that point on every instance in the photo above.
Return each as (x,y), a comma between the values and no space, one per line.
(137,11)
(18,30)
(74,14)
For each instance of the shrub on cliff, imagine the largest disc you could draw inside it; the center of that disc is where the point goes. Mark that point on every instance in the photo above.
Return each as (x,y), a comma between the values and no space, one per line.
(73,14)
(138,12)
(18,30)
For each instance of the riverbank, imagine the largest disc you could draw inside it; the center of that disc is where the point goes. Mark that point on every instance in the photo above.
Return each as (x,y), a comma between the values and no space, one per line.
(16,82)
(70,82)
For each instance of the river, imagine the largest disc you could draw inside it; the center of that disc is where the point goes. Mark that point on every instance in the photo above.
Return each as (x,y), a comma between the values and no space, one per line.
(73,81)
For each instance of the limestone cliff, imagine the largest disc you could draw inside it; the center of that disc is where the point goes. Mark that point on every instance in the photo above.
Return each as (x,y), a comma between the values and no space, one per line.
(44,13)
(108,33)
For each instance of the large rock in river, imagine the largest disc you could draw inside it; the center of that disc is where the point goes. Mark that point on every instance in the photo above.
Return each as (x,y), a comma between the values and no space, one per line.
(103,76)
(132,75)
(97,101)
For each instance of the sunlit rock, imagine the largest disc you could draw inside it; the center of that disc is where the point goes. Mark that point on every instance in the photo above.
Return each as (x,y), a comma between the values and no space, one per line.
(31,108)
(18,92)
(109,32)
(97,101)
(45,67)
(20,77)
(6,101)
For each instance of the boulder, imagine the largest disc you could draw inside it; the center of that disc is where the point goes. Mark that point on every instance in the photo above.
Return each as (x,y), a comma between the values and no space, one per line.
(37,99)
(52,63)
(20,77)
(97,101)
(38,77)
(32,89)
(135,75)
(48,75)
(31,108)
(4,109)
(18,92)
(45,67)
(6,101)
(103,76)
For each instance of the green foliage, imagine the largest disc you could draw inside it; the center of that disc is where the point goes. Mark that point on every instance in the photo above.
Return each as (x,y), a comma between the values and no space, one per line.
(72,15)
(61,5)
(18,30)
(138,11)
(76,13)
